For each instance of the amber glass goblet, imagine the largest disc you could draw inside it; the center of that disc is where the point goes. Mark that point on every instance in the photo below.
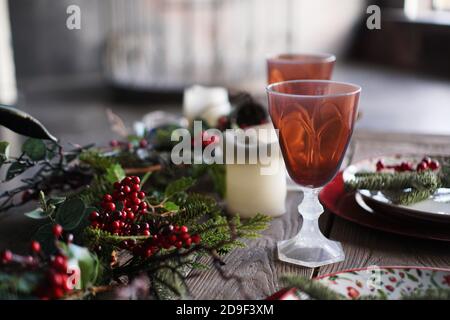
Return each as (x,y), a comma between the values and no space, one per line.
(315,120)
(284,67)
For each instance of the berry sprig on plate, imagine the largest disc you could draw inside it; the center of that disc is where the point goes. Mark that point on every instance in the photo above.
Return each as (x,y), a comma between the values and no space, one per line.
(425,164)
(405,182)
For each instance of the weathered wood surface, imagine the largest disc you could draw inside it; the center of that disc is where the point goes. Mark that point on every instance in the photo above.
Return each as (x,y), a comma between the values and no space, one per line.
(258,268)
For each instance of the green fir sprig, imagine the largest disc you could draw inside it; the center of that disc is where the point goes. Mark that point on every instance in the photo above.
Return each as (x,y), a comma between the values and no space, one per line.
(424,180)
(407,197)
(403,188)
(314,289)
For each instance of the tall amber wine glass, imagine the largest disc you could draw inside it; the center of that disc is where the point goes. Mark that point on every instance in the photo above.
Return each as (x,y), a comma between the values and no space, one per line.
(315,119)
(285,67)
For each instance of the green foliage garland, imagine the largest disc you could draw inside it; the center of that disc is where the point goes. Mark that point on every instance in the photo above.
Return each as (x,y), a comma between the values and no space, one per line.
(69,185)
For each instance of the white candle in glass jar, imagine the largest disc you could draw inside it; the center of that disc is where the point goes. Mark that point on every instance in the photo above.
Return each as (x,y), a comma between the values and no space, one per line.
(207,103)
(256,187)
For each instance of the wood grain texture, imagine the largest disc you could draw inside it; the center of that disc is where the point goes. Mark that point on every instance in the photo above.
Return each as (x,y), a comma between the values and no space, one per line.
(256,266)
(366,247)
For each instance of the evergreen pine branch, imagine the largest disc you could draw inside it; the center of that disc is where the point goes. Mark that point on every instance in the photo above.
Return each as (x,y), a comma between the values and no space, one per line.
(215,231)
(314,289)
(408,197)
(194,207)
(424,180)
(228,232)
(97,160)
(445,172)
(95,190)
(258,222)
(106,172)
(217,173)
(429,294)
(177,186)
(96,236)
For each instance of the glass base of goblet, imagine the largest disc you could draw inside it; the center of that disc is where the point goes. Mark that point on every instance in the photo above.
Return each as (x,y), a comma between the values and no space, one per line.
(310,254)
(310,248)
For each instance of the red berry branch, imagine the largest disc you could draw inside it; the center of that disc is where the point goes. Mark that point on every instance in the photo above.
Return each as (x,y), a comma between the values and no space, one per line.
(426,164)
(124,213)
(205,139)
(51,271)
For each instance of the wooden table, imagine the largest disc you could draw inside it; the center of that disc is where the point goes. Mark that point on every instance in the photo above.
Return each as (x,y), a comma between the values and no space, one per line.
(74,110)
(257,266)
(258,269)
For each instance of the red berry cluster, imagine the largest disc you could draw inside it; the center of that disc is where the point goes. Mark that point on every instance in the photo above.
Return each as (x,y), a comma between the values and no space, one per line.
(223,123)
(125,220)
(206,139)
(124,213)
(168,237)
(55,282)
(143,143)
(423,165)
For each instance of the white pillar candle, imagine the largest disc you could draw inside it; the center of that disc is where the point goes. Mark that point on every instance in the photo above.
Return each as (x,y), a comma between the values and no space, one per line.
(8,91)
(249,190)
(206,103)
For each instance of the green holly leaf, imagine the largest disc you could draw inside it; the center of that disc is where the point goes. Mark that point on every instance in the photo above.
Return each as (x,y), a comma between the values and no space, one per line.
(46,238)
(171,206)
(15,169)
(37,214)
(23,123)
(87,262)
(87,212)
(115,173)
(4,151)
(178,186)
(35,149)
(56,200)
(70,213)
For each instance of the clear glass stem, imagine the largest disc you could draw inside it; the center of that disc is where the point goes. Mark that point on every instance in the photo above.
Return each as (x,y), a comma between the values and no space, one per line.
(310,207)
(310,247)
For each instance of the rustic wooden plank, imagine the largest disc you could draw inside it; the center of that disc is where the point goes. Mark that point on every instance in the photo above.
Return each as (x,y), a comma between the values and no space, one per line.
(257,266)
(364,246)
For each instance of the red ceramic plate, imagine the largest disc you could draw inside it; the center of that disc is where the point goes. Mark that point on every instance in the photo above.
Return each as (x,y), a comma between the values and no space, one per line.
(344,205)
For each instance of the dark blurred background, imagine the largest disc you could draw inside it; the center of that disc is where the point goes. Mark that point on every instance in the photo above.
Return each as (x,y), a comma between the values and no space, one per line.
(147,51)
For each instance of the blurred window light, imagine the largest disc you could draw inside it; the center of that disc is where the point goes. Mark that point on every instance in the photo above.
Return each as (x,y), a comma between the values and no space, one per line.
(414,8)
(428,11)
(441,5)
(170,44)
